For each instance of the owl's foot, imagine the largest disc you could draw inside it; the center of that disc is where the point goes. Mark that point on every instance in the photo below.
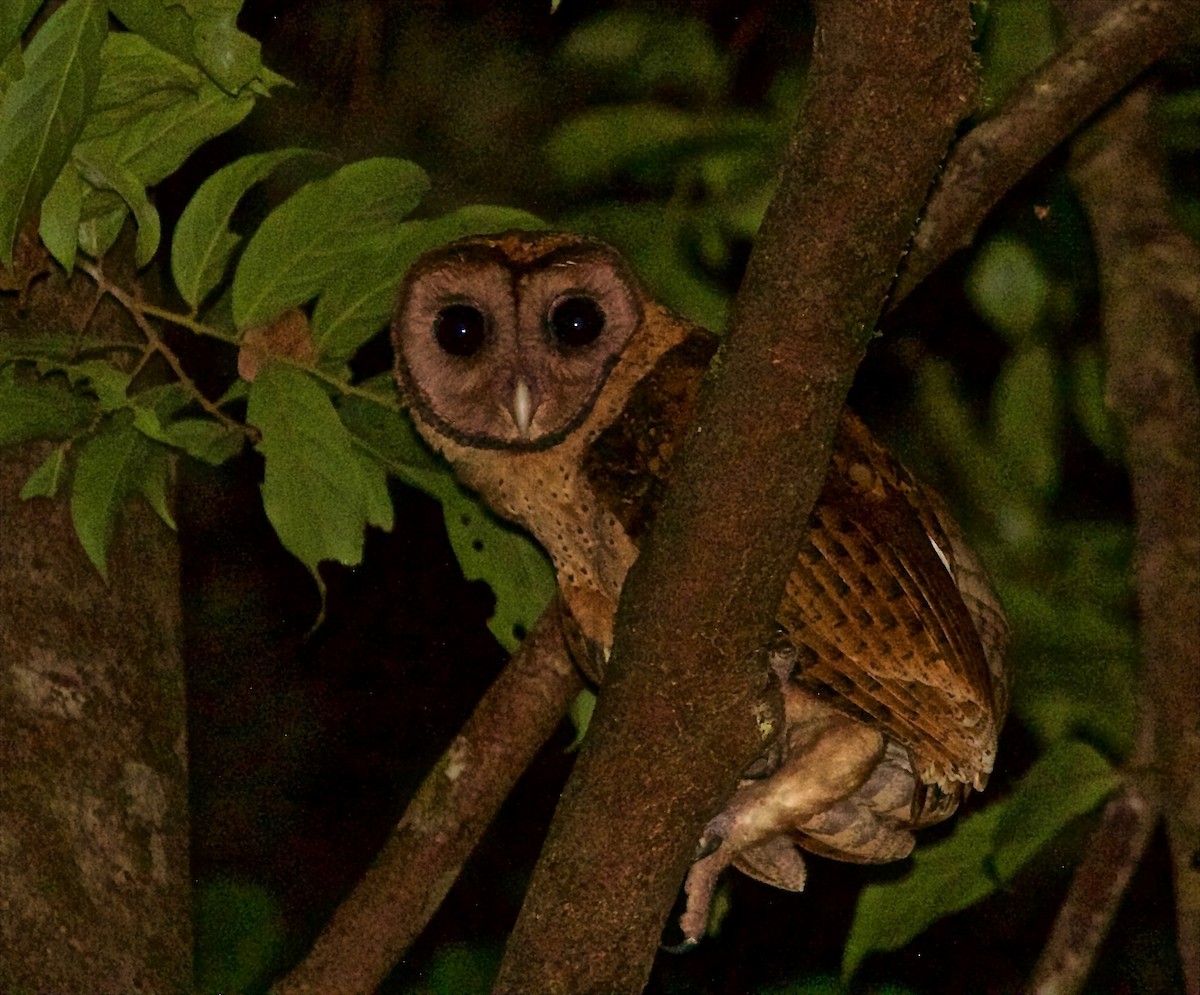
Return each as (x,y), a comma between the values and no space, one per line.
(699,886)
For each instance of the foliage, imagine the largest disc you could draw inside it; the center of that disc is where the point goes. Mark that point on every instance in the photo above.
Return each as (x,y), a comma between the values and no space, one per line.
(239,936)
(984,852)
(696,170)
(93,115)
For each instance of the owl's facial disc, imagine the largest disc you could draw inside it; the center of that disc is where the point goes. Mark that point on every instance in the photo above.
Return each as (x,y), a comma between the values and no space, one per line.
(504,353)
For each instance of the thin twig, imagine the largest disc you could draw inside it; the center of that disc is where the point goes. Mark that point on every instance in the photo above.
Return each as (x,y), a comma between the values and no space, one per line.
(137,306)
(139,310)
(188,322)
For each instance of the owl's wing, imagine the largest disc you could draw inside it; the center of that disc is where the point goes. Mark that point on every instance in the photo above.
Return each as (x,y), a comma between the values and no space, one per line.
(892,616)
(880,625)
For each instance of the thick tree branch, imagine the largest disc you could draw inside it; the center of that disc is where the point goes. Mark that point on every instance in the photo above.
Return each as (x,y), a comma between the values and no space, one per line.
(95,889)
(1053,103)
(676,720)
(1150,287)
(398,896)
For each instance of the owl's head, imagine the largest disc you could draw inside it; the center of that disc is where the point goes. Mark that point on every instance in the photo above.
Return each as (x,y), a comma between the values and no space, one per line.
(506,341)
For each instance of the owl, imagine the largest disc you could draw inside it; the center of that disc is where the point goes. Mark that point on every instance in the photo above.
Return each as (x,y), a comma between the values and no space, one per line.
(537,366)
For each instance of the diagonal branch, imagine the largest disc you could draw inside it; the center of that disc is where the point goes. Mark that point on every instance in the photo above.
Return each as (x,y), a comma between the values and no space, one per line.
(1127,38)
(675,721)
(1115,848)
(395,900)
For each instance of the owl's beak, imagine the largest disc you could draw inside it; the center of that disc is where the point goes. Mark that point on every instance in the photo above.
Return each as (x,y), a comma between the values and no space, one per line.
(523,407)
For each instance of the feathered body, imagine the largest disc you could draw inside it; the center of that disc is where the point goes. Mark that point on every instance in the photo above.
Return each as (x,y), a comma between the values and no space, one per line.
(535,364)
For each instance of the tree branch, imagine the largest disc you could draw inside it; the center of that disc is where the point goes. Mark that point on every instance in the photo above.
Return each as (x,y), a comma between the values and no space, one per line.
(398,896)
(1114,850)
(1150,288)
(1053,103)
(675,722)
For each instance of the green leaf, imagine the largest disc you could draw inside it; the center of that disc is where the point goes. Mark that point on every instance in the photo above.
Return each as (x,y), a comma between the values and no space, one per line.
(152,111)
(204,439)
(462,969)
(203,243)
(643,139)
(1016,37)
(1067,781)
(154,488)
(1087,395)
(1008,287)
(15,16)
(46,479)
(61,211)
(306,242)
(516,569)
(318,492)
(163,22)
(137,78)
(44,408)
(49,348)
(580,714)
(155,415)
(652,239)
(647,51)
(104,173)
(1079,645)
(231,57)
(12,68)
(100,220)
(241,933)
(155,143)
(203,34)
(44,111)
(512,564)
(985,851)
(103,379)
(359,299)
(945,877)
(1025,420)
(113,464)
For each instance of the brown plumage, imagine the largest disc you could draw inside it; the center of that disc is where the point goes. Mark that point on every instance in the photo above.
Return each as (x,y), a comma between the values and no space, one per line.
(556,389)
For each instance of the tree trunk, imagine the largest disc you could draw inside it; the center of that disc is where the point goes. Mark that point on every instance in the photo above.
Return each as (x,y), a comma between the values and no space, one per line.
(94,895)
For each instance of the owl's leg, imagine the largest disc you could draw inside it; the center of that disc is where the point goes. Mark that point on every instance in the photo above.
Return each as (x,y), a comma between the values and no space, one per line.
(829,757)
(872,825)
(875,824)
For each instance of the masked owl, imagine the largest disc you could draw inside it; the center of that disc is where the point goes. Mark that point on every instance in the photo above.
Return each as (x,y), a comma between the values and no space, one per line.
(556,389)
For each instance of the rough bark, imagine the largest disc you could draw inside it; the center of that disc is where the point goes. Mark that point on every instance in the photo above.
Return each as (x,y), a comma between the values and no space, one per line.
(95,890)
(676,720)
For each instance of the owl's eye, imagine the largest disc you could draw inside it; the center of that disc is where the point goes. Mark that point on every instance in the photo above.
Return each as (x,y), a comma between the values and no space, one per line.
(460,329)
(576,321)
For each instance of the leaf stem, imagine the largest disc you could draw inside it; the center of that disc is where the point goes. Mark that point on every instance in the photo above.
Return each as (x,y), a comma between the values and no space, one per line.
(140,312)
